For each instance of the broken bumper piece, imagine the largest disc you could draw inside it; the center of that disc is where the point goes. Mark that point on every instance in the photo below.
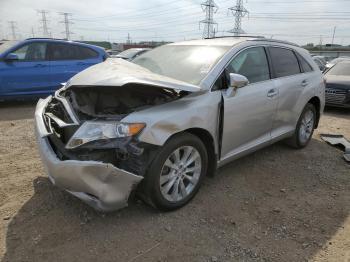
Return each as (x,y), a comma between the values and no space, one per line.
(101,185)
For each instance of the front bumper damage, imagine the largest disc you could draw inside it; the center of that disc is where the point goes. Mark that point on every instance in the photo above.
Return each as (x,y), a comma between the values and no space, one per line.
(101,185)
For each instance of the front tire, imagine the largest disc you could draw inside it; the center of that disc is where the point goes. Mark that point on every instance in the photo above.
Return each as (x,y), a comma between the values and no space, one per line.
(176,173)
(305,128)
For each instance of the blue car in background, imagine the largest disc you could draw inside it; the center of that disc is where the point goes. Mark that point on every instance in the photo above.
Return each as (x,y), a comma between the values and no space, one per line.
(37,67)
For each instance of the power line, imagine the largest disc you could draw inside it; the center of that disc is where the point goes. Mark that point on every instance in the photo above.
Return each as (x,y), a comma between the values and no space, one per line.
(209,7)
(67,23)
(136,12)
(44,22)
(13,27)
(238,12)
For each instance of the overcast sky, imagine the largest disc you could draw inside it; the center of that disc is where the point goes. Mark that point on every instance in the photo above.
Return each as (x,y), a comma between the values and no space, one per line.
(300,21)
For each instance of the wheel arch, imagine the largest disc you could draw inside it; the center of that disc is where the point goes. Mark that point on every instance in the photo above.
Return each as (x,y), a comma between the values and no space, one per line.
(316,102)
(208,141)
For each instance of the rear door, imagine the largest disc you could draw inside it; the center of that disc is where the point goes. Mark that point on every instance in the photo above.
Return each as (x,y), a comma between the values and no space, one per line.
(69,59)
(249,114)
(291,82)
(30,74)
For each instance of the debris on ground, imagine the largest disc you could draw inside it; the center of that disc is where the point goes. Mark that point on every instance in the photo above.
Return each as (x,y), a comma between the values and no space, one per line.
(338,141)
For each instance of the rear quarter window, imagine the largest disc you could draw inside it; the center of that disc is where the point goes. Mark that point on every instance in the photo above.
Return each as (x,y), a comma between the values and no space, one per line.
(87,53)
(284,61)
(306,67)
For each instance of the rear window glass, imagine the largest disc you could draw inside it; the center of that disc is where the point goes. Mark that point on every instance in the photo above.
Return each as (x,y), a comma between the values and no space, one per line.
(284,61)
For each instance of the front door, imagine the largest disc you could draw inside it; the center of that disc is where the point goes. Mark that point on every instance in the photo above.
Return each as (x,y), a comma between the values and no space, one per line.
(249,114)
(29,75)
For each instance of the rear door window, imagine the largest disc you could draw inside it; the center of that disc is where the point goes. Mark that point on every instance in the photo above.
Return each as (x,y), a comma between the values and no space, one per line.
(63,52)
(284,61)
(70,52)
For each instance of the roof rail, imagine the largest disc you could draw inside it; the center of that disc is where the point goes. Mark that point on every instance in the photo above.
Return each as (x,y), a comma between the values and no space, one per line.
(276,41)
(46,38)
(234,36)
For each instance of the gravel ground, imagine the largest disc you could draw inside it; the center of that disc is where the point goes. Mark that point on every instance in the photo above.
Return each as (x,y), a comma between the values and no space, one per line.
(277,204)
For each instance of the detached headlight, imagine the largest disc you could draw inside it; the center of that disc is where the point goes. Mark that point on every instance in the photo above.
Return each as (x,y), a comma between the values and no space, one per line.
(92,131)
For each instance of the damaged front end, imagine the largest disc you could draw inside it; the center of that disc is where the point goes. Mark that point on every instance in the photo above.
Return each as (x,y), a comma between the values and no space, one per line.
(87,148)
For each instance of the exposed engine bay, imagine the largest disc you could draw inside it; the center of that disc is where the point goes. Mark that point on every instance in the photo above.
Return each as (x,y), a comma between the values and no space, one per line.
(115,103)
(105,103)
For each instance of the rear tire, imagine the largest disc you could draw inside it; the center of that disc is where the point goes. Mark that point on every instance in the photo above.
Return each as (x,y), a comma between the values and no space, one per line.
(176,173)
(304,129)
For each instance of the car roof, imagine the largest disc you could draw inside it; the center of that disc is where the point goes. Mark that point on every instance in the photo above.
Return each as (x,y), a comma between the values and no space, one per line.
(53,40)
(138,48)
(344,62)
(230,41)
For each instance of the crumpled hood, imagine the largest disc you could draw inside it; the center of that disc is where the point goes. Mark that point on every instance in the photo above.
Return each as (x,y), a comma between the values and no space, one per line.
(118,72)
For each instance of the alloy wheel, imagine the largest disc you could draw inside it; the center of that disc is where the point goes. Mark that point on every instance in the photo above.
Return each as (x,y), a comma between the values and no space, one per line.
(306,126)
(180,173)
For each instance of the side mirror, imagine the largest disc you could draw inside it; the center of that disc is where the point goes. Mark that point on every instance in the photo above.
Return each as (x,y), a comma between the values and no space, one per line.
(11,57)
(236,81)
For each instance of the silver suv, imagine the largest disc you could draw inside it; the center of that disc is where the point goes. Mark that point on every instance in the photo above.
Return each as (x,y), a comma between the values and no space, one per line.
(159,125)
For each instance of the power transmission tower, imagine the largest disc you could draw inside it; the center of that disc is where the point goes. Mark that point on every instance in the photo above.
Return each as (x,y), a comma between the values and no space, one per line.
(44,22)
(2,36)
(13,27)
(321,41)
(210,8)
(333,34)
(238,12)
(67,23)
(128,41)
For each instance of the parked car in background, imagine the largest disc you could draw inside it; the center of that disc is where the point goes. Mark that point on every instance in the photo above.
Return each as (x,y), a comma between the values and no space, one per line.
(37,67)
(321,65)
(338,85)
(132,53)
(112,53)
(321,58)
(163,122)
(336,60)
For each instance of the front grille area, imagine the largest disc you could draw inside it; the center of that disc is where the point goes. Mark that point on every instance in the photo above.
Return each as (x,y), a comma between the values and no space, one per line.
(335,96)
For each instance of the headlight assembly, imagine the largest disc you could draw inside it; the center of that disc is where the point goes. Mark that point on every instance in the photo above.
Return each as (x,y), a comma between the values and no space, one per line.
(103,130)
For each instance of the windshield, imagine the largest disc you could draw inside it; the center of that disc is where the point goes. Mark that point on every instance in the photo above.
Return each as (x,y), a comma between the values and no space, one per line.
(188,63)
(6,45)
(340,69)
(130,53)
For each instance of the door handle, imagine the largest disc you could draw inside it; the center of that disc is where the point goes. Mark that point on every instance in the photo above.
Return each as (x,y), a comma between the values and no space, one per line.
(304,83)
(81,63)
(272,93)
(40,65)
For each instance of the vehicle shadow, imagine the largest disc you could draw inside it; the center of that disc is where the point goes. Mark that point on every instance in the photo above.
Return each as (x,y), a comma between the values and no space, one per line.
(337,112)
(17,110)
(277,204)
